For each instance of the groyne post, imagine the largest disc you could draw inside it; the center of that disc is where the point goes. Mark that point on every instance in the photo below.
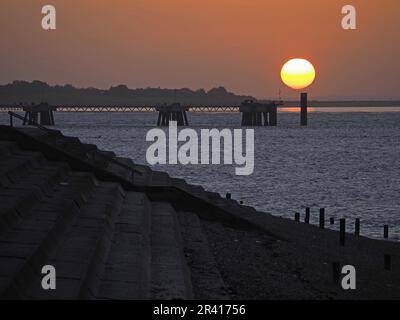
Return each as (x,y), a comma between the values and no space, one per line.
(228,196)
(386,231)
(307,217)
(297,217)
(332,220)
(342,231)
(357,227)
(322,218)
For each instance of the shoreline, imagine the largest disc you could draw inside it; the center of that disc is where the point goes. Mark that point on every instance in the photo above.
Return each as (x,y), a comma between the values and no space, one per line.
(226,249)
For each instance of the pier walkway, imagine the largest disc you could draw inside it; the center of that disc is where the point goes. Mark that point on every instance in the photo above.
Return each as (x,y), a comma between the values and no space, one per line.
(253,113)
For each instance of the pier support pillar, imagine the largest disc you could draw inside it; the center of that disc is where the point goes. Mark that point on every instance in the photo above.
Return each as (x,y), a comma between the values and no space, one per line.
(258,114)
(174,112)
(39,114)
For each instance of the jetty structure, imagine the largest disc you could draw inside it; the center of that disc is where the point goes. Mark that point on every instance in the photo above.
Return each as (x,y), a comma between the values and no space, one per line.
(42,113)
(254,113)
(114,229)
(259,114)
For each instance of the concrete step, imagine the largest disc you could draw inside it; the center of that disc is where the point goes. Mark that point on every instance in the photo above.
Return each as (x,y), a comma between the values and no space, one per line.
(197,191)
(170,276)
(145,170)
(8,147)
(15,166)
(19,198)
(160,179)
(126,273)
(213,195)
(139,179)
(205,275)
(44,178)
(109,154)
(119,171)
(80,255)
(179,183)
(39,133)
(25,247)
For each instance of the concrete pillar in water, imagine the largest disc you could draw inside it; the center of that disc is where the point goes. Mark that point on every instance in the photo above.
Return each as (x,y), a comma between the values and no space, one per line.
(173,112)
(303,110)
(273,116)
(46,118)
(266,119)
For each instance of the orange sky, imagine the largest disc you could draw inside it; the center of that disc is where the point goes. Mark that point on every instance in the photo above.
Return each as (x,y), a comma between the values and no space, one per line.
(239,44)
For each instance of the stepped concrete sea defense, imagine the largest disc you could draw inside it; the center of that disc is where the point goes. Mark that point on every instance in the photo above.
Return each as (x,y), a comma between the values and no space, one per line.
(117,230)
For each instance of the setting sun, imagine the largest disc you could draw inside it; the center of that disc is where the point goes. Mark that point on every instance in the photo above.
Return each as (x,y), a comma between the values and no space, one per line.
(298,73)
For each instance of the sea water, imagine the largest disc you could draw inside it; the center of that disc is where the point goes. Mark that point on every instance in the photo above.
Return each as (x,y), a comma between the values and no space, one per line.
(347,160)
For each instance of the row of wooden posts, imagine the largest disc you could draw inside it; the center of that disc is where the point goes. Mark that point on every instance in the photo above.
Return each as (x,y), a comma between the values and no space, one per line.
(357,225)
(342,236)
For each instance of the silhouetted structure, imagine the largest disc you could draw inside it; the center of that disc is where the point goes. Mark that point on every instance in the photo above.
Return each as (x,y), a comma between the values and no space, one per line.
(173,112)
(259,114)
(303,112)
(42,114)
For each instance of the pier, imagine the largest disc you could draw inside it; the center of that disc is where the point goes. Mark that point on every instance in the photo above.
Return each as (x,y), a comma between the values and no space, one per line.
(253,113)
(41,113)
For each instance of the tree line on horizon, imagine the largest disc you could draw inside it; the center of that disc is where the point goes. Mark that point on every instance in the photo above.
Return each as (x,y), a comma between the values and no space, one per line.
(36,91)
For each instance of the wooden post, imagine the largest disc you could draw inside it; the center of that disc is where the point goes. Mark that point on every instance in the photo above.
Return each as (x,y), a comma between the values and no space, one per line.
(342,231)
(336,272)
(386,231)
(303,111)
(307,217)
(388,262)
(297,217)
(357,227)
(228,196)
(322,218)
(332,220)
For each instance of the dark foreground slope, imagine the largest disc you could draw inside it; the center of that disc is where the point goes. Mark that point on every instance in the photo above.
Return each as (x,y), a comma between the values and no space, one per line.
(117,230)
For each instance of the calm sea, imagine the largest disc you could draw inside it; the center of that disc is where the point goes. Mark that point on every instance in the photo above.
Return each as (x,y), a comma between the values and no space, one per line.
(347,160)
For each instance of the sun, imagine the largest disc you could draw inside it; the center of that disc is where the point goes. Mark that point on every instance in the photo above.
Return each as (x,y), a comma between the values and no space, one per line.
(298,73)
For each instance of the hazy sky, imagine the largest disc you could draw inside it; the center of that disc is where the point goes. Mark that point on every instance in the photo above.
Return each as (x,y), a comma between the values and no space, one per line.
(239,44)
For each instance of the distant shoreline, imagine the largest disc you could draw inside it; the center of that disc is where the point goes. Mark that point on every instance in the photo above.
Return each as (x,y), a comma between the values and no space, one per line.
(345,104)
